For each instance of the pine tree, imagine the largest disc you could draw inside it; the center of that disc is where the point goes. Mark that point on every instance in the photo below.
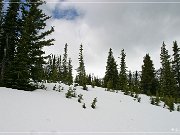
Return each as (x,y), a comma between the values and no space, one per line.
(28,62)
(130,82)
(64,65)
(54,72)
(9,40)
(176,64)
(148,81)
(167,80)
(122,74)
(111,74)
(81,69)
(69,75)
(59,66)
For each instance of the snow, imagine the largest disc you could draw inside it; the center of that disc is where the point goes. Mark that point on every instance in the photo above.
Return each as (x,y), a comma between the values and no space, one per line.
(49,112)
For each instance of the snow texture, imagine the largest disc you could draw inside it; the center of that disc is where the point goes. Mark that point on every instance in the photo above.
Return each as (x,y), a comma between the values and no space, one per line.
(49,112)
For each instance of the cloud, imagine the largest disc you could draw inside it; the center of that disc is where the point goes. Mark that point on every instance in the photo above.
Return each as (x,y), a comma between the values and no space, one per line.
(138,28)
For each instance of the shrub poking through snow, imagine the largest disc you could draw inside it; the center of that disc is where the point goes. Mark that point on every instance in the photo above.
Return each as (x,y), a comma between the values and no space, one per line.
(178,108)
(84,106)
(85,87)
(93,105)
(70,93)
(62,88)
(74,88)
(54,88)
(59,88)
(80,97)
(152,101)
(139,99)
(42,86)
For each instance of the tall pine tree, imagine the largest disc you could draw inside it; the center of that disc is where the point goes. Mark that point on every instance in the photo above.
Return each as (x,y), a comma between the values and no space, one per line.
(9,40)
(148,81)
(167,81)
(29,60)
(111,74)
(65,64)
(69,74)
(122,74)
(176,64)
(81,69)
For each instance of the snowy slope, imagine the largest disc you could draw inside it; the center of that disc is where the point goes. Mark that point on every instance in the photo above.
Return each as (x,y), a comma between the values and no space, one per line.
(49,112)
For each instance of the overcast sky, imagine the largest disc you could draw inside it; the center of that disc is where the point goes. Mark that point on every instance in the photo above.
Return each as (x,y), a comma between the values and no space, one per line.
(138,28)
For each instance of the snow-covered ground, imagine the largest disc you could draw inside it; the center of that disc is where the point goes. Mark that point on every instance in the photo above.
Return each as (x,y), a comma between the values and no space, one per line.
(49,112)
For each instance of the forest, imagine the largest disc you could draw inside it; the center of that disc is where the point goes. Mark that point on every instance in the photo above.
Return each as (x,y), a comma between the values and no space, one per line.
(23,63)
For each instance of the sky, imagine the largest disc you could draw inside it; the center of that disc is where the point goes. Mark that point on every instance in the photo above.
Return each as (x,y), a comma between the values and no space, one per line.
(138,27)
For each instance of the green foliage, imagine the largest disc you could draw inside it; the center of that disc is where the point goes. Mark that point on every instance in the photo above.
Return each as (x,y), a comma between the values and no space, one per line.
(81,77)
(80,98)
(152,101)
(169,101)
(93,105)
(65,65)
(122,75)
(70,93)
(69,75)
(176,66)
(111,74)
(148,80)
(54,88)
(167,81)
(178,108)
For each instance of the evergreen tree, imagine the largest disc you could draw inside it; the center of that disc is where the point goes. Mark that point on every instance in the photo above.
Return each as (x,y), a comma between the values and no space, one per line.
(59,66)
(28,62)
(9,40)
(176,64)
(148,81)
(54,73)
(130,83)
(69,75)
(111,74)
(81,69)
(122,74)
(167,80)
(65,65)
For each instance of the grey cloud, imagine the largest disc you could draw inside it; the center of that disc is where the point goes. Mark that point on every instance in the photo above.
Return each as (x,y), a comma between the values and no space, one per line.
(138,28)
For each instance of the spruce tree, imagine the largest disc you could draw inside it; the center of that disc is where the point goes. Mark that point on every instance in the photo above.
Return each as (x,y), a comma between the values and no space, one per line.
(111,74)
(29,59)
(176,64)
(122,74)
(81,69)
(65,65)
(59,66)
(9,40)
(167,80)
(148,81)
(69,75)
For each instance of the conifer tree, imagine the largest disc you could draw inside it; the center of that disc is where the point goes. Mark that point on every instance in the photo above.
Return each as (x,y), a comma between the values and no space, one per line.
(167,80)
(81,69)
(69,75)
(130,83)
(176,64)
(111,74)
(122,74)
(29,60)
(9,40)
(64,65)
(148,81)
(59,66)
